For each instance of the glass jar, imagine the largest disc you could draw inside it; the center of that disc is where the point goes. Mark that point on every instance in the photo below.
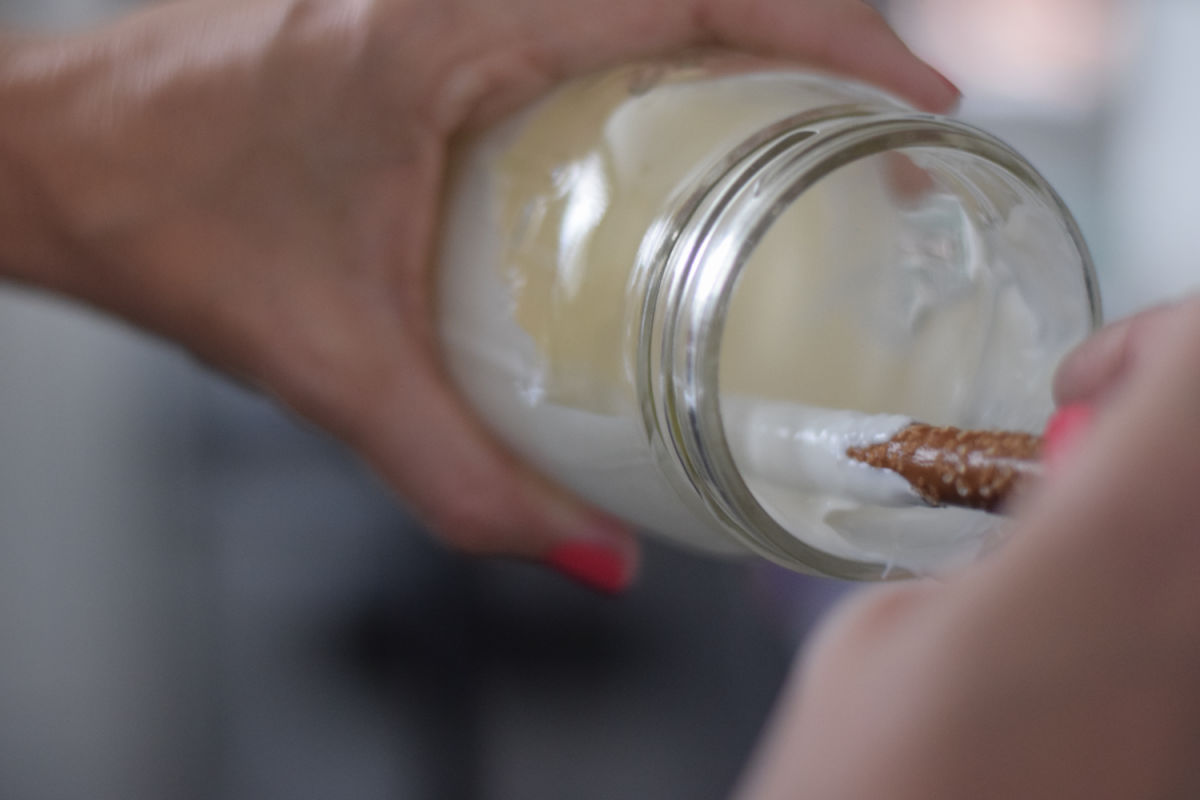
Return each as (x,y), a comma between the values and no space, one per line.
(638,261)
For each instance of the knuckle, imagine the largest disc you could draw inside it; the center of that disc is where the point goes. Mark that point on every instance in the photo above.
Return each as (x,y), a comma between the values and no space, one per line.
(478,522)
(468,528)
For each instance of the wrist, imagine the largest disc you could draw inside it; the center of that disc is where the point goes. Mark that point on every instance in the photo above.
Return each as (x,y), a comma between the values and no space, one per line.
(102,136)
(36,76)
(68,136)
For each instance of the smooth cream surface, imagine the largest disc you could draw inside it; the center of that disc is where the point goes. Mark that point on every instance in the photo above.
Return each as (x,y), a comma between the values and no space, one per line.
(804,449)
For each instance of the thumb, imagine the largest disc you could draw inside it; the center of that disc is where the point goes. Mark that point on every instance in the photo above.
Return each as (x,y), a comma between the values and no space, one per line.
(1099,365)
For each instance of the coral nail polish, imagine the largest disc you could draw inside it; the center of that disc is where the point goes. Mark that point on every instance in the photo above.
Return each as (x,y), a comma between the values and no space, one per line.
(594,565)
(1063,432)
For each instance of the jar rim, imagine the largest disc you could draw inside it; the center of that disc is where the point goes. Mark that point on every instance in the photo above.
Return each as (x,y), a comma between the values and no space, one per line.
(691,263)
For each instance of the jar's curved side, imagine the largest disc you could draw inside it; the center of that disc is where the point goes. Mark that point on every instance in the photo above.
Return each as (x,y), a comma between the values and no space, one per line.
(685,218)
(669,369)
(498,367)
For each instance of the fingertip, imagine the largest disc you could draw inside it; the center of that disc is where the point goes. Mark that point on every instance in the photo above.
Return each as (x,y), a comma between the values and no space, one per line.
(850,38)
(885,58)
(1087,369)
(1091,369)
(596,550)
(597,565)
(946,98)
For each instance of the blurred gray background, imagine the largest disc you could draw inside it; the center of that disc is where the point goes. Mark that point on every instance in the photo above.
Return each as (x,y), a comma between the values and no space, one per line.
(200,599)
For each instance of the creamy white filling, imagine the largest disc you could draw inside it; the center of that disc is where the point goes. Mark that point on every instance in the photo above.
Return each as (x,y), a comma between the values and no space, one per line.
(804,448)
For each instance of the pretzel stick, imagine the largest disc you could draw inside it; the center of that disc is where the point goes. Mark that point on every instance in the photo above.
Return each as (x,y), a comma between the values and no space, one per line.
(952,466)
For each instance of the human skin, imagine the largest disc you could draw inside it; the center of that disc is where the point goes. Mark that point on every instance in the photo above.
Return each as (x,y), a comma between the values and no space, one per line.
(1066,665)
(258,181)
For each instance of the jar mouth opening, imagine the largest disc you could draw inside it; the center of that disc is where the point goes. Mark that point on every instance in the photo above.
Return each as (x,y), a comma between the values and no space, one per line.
(727,223)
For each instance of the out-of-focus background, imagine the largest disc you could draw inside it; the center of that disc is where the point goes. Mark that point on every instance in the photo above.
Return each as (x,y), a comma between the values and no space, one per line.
(200,599)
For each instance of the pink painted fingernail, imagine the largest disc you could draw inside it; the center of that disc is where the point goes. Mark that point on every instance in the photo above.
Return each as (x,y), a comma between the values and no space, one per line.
(594,565)
(956,94)
(1063,431)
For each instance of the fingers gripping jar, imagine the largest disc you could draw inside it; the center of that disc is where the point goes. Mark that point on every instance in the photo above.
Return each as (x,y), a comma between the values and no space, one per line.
(650,257)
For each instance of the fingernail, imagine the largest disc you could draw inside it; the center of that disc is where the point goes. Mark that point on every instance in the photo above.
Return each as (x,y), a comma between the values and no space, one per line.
(951,85)
(594,565)
(1063,432)
(956,93)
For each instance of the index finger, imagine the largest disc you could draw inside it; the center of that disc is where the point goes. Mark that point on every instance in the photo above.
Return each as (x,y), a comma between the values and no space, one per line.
(548,44)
